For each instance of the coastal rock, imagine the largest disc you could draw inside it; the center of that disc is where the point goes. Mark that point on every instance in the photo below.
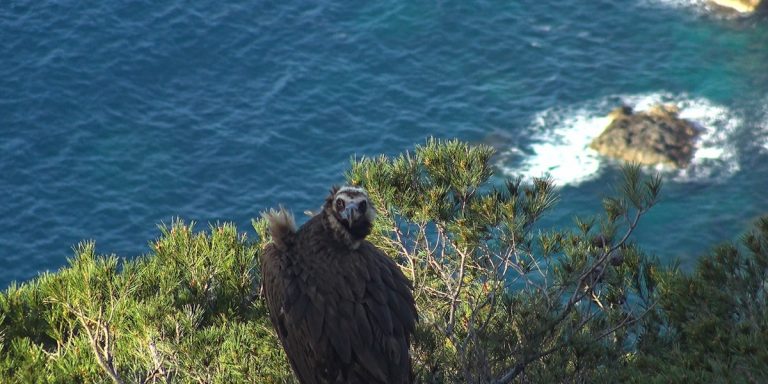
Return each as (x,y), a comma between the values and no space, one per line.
(742,6)
(655,136)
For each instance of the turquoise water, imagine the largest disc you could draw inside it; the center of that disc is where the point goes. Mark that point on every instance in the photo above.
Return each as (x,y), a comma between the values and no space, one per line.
(115,117)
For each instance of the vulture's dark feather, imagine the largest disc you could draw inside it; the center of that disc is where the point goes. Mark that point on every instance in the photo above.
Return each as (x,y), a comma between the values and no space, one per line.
(343,310)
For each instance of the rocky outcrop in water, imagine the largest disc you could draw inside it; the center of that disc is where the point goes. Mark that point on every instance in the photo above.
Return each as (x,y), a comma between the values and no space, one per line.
(656,136)
(743,6)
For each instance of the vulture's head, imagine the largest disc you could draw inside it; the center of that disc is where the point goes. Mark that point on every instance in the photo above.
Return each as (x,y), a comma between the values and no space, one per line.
(352,210)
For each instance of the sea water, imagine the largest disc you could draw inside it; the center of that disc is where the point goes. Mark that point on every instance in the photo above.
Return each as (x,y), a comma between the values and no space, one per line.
(116,116)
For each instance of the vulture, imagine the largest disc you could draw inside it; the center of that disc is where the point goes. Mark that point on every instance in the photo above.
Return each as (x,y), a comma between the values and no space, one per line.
(343,311)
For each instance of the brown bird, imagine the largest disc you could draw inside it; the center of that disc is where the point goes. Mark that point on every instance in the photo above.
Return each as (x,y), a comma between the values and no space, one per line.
(343,310)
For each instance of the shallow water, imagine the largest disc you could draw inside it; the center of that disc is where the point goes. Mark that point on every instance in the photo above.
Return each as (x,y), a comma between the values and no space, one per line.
(115,117)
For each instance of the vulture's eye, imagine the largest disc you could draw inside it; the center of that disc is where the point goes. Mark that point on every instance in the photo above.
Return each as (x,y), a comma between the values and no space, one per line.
(339,204)
(362,206)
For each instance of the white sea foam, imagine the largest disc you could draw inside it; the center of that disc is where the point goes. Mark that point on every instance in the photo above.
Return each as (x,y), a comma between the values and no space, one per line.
(695,6)
(762,130)
(560,140)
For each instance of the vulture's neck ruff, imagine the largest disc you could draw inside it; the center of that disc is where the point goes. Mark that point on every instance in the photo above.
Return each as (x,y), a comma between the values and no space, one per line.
(349,214)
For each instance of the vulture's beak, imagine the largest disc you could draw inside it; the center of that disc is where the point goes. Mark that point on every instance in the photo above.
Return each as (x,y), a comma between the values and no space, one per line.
(351,213)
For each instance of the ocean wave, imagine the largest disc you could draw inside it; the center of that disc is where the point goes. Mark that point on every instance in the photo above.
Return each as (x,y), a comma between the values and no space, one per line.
(560,138)
(701,7)
(762,128)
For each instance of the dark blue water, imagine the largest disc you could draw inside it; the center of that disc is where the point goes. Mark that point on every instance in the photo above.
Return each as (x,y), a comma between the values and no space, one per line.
(117,116)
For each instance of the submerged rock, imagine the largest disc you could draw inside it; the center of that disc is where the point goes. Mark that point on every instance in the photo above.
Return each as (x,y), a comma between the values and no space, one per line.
(656,136)
(742,6)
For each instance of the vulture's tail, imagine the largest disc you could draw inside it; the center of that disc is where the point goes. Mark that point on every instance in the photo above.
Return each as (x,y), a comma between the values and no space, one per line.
(282,226)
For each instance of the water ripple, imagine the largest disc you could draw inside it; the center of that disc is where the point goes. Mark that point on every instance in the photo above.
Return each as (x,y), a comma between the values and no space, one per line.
(115,116)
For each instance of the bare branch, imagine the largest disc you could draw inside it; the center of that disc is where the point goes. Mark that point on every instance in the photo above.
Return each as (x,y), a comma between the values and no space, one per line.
(158,370)
(457,291)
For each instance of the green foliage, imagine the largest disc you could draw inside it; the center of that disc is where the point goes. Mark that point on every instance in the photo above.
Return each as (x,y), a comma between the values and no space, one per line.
(186,313)
(500,298)
(715,323)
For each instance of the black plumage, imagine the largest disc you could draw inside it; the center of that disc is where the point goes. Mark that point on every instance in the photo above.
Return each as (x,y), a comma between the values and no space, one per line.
(343,310)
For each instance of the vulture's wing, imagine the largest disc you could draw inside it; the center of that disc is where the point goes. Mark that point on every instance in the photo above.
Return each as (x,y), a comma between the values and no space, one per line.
(390,318)
(356,322)
(276,277)
(341,318)
(279,278)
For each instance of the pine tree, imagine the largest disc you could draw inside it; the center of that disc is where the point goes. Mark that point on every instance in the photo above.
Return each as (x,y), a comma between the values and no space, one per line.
(501,299)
